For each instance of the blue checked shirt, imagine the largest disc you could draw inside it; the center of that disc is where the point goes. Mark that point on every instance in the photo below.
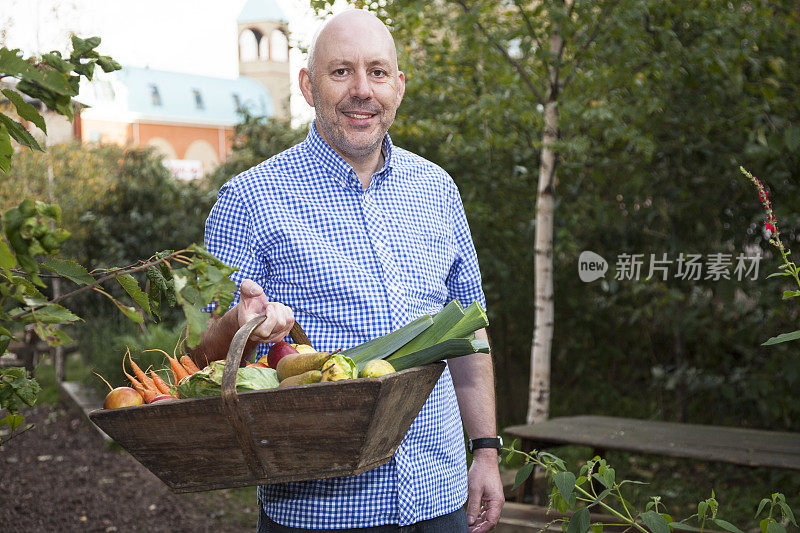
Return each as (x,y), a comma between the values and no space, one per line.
(352,265)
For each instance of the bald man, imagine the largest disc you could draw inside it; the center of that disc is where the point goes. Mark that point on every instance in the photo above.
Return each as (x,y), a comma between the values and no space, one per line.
(354,237)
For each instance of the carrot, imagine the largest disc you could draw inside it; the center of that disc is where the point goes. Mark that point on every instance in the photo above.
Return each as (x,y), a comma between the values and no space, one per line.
(160,383)
(178,369)
(188,364)
(146,381)
(148,395)
(135,383)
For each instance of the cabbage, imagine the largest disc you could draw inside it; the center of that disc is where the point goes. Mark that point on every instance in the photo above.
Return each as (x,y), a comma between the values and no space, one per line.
(208,382)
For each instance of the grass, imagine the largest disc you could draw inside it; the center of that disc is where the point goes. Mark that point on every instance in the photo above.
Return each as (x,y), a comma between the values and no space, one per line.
(682,483)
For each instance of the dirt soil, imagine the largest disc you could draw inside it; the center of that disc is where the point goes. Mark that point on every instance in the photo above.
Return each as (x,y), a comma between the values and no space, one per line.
(62,476)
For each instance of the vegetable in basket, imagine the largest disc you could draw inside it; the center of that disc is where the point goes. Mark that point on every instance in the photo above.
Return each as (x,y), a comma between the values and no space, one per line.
(208,382)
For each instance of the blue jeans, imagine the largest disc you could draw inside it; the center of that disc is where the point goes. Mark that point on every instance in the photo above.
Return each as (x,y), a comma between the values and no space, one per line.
(455,522)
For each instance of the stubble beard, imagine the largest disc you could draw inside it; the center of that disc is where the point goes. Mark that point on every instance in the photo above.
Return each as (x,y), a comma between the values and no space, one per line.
(337,137)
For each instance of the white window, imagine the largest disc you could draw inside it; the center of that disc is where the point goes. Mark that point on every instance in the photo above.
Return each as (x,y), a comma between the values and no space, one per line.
(280,46)
(248,46)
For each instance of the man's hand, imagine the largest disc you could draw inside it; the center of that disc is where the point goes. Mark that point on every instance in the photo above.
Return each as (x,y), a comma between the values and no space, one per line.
(253,302)
(486,497)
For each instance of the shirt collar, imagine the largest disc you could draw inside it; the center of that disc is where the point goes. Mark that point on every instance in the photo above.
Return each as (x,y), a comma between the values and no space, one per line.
(340,169)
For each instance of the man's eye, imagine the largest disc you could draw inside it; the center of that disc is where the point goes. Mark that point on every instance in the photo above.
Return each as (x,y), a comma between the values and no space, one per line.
(379,73)
(340,71)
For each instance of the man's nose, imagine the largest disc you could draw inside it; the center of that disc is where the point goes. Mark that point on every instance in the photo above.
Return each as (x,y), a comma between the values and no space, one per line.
(360,87)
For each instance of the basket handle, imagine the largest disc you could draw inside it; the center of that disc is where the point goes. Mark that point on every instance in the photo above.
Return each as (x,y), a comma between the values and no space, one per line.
(230,400)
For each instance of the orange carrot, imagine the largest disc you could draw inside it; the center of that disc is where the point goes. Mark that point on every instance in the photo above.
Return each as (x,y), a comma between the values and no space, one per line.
(146,381)
(189,365)
(135,383)
(160,383)
(148,395)
(178,369)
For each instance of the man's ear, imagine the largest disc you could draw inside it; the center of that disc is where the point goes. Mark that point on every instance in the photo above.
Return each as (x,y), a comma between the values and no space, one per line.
(305,86)
(401,86)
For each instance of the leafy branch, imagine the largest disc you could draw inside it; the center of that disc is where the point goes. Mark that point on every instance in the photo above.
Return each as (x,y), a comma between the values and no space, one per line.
(596,485)
(191,278)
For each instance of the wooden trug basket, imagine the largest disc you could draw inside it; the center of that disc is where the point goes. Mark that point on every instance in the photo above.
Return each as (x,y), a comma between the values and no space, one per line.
(299,433)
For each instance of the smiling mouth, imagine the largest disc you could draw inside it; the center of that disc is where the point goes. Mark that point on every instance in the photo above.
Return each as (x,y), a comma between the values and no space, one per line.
(358,115)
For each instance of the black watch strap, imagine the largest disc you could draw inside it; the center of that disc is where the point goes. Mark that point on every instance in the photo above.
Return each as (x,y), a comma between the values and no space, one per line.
(477,444)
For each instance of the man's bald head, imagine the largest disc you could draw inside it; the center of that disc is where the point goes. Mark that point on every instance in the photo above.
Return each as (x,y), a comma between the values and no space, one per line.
(350,21)
(353,84)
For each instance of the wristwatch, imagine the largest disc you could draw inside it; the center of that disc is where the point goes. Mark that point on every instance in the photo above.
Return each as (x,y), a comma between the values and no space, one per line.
(477,444)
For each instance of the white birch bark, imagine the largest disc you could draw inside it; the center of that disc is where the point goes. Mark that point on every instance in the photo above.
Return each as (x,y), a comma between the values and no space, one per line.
(539,385)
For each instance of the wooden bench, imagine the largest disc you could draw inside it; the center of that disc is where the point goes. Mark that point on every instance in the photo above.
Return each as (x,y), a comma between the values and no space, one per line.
(741,446)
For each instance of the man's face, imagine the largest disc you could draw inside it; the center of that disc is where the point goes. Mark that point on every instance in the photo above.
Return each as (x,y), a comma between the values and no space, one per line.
(356,87)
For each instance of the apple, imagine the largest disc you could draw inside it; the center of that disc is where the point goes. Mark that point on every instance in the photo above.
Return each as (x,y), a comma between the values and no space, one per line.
(122,397)
(277,352)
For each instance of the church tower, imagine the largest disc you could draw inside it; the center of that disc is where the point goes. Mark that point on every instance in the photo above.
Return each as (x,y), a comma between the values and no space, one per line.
(264,50)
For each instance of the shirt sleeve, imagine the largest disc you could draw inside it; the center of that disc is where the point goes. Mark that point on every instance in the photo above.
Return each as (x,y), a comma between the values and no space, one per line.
(464,280)
(229,236)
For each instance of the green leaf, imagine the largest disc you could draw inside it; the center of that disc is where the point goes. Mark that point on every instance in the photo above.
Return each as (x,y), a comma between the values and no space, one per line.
(196,321)
(597,527)
(775,527)
(579,522)
(70,270)
(6,150)
(790,294)
(12,63)
(131,286)
(565,481)
(52,335)
(19,133)
(7,259)
(81,47)
(54,314)
(787,511)
(683,527)
(522,474)
(55,60)
(761,506)
(25,110)
(783,337)
(727,526)
(702,507)
(18,389)
(5,340)
(108,64)
(635,482)
(776,274)
(128,311)
(12,420)
(655,522)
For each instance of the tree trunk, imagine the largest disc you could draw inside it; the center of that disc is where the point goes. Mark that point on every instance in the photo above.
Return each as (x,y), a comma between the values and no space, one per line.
(539,385)
(539,388)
